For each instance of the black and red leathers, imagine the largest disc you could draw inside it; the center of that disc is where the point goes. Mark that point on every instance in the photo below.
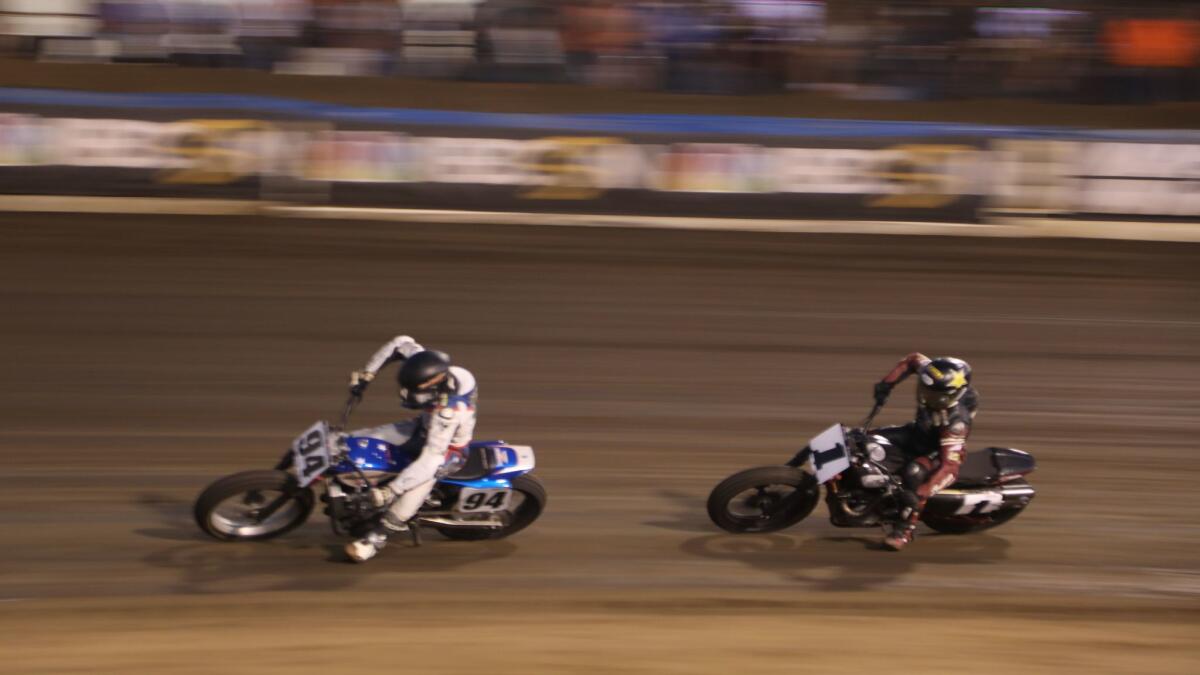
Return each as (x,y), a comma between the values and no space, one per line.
(929,451)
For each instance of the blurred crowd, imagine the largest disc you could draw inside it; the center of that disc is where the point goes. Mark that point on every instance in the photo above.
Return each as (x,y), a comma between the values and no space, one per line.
(1056,50)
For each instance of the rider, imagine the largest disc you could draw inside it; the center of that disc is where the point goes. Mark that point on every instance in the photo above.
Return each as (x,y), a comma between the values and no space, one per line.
(932,445)
(446,396)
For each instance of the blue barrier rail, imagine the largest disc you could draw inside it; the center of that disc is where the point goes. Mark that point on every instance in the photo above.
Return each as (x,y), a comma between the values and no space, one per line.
(573,123)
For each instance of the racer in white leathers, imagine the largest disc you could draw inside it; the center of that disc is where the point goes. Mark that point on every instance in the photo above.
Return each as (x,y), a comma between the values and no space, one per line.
(446,396)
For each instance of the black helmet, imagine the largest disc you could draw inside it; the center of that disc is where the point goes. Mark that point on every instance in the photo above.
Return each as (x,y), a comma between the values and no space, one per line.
(941,382)
(423,378)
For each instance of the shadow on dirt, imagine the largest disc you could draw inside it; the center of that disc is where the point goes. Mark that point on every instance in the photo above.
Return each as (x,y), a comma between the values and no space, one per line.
(690,516)
(846,562)
(309,558)
(829,558)
(175,516)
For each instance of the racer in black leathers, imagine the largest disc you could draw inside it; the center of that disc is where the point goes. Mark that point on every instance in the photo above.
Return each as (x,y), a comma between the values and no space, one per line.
(929,450)
(446,395)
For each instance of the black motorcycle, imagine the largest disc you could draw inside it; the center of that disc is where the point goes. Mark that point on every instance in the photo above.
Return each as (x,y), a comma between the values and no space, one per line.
(860,491)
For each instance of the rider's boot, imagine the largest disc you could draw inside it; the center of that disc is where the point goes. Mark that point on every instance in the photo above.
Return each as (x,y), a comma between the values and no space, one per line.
(362,550)
(900,536)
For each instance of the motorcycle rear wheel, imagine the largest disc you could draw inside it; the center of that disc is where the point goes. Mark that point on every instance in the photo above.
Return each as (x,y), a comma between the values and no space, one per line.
(969,524)
(533,502)
(965,524)
(763,499)
(231,509)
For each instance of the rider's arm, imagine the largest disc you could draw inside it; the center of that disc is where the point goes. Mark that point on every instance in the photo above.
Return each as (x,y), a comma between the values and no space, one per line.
(401,347)
(907,365)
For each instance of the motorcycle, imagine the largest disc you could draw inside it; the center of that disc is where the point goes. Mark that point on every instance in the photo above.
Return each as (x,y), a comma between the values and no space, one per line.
(490,494)
(860,491)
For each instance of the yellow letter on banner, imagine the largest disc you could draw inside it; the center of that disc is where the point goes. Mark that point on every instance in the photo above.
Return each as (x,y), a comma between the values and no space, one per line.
(213,151)
(925,171)
(568,167)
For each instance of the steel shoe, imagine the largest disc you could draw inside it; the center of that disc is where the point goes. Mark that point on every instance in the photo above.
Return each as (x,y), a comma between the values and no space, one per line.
(362,550)
(900,536)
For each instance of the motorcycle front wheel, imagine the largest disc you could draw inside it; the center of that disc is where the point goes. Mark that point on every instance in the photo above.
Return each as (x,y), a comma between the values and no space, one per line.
(763,499)
(252,506)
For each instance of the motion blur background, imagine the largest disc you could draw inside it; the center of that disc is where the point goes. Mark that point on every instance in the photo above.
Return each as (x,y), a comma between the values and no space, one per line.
(210,212)
(1093,51)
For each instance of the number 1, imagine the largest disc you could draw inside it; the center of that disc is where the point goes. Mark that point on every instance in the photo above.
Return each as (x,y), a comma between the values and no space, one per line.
(823,457)
(980,503)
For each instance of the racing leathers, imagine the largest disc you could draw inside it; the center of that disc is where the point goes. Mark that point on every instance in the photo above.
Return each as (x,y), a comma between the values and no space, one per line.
(441,433)
(928,451)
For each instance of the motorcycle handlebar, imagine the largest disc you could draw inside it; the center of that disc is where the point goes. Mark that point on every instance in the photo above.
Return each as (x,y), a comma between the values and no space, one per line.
(352,401)
(871,416)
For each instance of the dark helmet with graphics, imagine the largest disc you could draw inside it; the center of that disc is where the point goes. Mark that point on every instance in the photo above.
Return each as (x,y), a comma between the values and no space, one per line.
(423,379)
(942,382)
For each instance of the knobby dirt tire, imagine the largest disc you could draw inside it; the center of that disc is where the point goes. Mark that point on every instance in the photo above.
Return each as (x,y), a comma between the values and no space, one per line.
(529,510)
(297,508)
(953,524)
(788,512)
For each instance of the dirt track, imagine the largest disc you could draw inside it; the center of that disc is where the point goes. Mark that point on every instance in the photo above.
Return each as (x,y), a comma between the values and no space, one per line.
(144,358)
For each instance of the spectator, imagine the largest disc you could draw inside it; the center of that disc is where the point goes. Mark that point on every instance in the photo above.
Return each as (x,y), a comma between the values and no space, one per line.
(1081,50)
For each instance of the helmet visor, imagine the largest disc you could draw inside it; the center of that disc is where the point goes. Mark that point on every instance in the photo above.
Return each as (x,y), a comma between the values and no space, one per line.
(418,398)
(422,396)
(938,400)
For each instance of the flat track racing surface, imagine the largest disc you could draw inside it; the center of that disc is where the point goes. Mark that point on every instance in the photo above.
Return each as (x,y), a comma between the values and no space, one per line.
(144,357)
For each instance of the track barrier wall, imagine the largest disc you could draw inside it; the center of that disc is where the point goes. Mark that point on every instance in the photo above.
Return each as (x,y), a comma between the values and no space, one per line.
(210,146)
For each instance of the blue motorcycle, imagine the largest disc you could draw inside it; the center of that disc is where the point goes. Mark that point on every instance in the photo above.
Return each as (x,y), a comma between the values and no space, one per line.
(490,494)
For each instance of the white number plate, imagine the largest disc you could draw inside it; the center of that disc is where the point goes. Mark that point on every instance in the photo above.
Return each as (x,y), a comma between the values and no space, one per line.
(472,500)
(311,453)
(975,503)
(828,457)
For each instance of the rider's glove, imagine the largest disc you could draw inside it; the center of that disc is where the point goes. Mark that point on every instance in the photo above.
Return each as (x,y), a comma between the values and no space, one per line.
(882,391)
(381,497)
(359,380)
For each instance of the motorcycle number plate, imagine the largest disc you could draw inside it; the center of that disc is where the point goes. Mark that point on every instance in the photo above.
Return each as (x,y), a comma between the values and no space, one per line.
(472,500)
(976,503)
(310,453)
(828,457)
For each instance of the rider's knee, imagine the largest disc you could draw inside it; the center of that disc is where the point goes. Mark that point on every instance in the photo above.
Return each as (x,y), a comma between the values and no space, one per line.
(914,474)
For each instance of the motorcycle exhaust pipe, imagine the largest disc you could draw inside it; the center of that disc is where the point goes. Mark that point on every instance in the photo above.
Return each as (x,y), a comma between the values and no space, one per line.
(441,521)
(980,500)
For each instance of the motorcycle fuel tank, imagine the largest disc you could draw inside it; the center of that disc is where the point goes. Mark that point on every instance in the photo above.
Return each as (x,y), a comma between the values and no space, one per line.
(372,454)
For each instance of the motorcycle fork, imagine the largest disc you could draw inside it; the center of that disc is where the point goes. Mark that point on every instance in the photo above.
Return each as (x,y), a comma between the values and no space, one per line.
(833,493)
(800,458)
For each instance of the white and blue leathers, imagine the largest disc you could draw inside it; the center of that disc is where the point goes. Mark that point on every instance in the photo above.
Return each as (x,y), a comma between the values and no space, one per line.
(447,426)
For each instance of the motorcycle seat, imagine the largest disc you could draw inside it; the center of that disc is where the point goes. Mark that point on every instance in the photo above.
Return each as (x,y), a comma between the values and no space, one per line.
(478,464)
(989,465)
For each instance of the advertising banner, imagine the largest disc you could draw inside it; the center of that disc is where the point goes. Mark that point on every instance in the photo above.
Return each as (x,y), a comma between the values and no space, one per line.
(925,176)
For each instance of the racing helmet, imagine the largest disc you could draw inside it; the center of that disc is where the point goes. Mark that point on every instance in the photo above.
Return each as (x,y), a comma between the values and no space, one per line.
(942,382)
(423,379)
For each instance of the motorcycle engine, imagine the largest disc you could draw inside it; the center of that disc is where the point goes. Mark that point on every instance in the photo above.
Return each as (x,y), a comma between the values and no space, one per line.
(871,478)
(863,491)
